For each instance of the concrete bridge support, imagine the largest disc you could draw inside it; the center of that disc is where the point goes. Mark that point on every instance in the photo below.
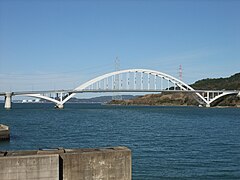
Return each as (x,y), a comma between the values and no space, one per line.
(208,105)
(59,106)
(8,100)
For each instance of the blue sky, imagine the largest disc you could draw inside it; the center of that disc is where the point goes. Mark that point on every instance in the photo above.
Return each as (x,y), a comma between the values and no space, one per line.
(61,44)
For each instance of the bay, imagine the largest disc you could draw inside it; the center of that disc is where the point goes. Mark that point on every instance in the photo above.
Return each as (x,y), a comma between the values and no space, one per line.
(166,142)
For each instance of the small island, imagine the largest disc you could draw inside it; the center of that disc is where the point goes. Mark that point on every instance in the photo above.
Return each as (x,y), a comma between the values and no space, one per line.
(186,99)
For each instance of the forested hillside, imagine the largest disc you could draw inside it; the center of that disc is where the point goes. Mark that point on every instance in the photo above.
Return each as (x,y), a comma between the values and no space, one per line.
(229,83)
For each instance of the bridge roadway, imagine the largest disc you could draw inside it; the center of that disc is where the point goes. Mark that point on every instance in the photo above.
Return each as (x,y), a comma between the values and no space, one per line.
(19,93)
(27,93)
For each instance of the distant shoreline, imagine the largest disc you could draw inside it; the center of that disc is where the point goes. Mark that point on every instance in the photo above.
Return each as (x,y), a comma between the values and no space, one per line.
(173,105)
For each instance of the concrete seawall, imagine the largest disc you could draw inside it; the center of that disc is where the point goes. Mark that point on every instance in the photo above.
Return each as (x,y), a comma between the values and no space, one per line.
(67,164)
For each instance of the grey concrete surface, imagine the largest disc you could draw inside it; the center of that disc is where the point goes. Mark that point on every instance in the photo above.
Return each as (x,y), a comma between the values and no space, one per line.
(39,167)
(67,164)
(97,164)
(4,132)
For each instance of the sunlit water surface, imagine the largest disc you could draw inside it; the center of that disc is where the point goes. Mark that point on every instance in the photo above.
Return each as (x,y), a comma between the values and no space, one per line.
(166,142)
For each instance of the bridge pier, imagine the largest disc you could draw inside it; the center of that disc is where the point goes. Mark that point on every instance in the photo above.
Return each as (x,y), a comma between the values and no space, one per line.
(8,100)
(208,105)
(59,106)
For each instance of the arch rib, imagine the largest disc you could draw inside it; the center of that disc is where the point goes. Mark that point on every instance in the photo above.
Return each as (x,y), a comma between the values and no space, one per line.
(178,82)
(43,97)
(221,95)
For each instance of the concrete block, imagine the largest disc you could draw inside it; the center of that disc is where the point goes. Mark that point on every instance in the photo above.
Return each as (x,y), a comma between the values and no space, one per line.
(39,167)
(67,164)
(97,164)
(4,132)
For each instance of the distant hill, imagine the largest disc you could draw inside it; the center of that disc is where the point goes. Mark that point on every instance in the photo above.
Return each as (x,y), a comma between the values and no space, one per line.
(179,99)
(229,83)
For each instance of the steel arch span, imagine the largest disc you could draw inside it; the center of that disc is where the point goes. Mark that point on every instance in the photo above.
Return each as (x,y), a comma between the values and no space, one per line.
(57,102)
(156,74)
(135,80)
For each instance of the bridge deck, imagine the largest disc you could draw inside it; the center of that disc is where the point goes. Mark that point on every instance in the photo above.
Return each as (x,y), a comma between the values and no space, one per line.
(116,90)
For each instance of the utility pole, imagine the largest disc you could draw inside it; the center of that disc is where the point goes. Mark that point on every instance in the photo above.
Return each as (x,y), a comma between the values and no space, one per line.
(180,72)
(117,68)
(117,64)
(117,80)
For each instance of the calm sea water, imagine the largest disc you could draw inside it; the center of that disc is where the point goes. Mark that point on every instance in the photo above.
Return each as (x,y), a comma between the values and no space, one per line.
(166,142)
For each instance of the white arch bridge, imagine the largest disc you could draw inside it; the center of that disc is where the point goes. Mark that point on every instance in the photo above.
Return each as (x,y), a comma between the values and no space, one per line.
(130,80)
